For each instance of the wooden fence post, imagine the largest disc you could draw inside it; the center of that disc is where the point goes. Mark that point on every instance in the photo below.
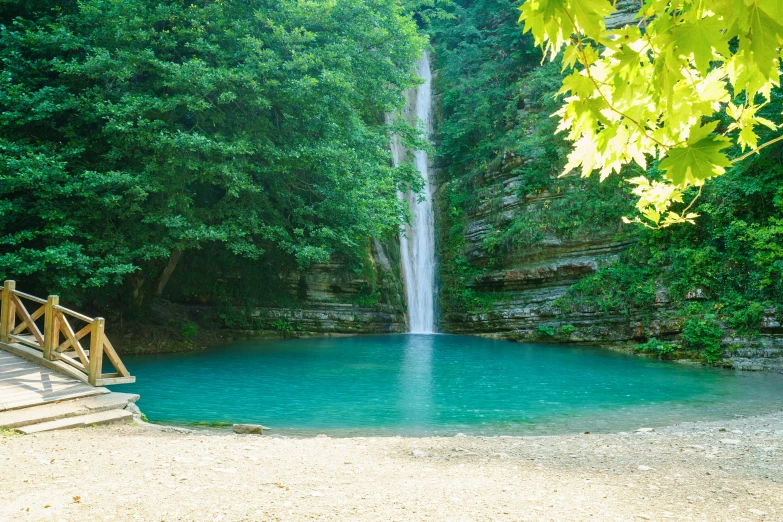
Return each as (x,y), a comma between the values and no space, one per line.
(7,311)
(96,351)
(51,327)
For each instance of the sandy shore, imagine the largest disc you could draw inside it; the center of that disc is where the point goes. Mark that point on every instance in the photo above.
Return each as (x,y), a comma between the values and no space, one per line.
(704,471)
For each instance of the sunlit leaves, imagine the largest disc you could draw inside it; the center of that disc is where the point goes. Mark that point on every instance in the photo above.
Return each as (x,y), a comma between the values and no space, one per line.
(698,160)
(652,88)
(702,40)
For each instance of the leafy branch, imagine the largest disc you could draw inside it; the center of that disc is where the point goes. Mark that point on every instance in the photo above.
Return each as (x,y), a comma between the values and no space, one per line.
(652,89)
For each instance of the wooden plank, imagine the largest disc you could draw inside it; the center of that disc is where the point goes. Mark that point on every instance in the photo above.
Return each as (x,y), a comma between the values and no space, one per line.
(21,311)
(5,357)
(30,383)
(110,381)
(51,327)
(7,313)
(21,371)
(30,354)
(79,335)
(38,313)
(8,365)
(73,362)
(66,329)
(38,383)
(96,350)
(26,402)
(21,392)
(30,297)
(73,314)
(28,340)
(111,353)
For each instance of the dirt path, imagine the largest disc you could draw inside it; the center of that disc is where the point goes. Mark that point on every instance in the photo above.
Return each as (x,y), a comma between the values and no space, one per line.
(712,471)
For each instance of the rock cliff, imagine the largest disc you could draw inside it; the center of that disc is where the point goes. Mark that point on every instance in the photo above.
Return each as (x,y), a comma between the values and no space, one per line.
(332,299)
(518,291)
(337,301)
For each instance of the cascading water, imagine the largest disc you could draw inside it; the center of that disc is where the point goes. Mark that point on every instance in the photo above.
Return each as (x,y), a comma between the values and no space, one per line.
(417,242)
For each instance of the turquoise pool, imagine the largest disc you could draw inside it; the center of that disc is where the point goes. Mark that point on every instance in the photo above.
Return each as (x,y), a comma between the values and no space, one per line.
(437,385)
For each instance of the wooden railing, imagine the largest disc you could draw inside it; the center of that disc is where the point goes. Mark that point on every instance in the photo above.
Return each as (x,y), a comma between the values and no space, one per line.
(15,306)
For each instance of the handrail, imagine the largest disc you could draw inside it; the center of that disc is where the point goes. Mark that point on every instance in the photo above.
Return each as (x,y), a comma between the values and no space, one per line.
(87,362)
(30,297)
(74,314)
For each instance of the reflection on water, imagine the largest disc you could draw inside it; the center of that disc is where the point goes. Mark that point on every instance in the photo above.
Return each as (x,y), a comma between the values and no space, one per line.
(438,384)
(415,390)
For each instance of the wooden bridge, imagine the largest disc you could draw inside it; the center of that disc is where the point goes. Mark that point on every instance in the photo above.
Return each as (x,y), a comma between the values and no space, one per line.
(48,378)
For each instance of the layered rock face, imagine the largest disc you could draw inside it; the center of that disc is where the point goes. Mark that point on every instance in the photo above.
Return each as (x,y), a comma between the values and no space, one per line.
(520,289)
(335,300)
(523,285)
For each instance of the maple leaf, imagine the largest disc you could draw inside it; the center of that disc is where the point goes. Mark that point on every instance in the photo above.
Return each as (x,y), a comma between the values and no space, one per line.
(589,15)
(774,8)
(763,36)
(700,159)
(701,38)
(578,84)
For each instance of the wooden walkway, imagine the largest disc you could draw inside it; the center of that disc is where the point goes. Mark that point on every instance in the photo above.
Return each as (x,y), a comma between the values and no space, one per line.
(24,384)
(52,367)
(42,331)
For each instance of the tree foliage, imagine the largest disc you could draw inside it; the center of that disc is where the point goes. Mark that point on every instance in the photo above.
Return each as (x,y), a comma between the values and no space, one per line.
(134,130)
(654,88)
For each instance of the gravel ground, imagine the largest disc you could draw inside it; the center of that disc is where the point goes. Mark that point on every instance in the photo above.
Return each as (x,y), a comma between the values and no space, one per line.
(702,471)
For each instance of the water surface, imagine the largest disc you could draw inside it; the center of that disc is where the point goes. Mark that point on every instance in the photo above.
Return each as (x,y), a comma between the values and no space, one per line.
(438,384)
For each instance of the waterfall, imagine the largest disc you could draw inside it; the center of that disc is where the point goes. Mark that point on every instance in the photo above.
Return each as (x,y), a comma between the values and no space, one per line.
(417,241)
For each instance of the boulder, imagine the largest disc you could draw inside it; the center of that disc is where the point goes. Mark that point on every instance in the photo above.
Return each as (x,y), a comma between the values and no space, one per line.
(249,429)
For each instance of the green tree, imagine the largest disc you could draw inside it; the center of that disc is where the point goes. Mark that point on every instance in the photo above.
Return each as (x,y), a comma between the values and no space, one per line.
(133,132)
(653,88)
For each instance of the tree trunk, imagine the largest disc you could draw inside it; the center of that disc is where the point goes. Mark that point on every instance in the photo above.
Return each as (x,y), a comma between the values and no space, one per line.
(170,266)
(137,282)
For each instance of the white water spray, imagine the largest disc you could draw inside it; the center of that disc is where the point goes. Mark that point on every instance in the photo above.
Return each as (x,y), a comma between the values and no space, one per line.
(417,243)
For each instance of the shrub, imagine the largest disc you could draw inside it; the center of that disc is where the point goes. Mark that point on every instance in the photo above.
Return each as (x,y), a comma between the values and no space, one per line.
(546,331)
(568,329)
(281,325)
(189,330)
(704,335)
(747,319)
(662,349)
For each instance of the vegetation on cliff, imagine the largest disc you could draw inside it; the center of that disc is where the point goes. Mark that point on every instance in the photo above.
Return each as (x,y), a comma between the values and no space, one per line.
(498,141)
(494,125)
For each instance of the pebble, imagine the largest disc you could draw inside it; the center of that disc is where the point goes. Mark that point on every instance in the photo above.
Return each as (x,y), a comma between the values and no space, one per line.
(418,453)
(730,441)
(644,468)
(758,512)
(645,430)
